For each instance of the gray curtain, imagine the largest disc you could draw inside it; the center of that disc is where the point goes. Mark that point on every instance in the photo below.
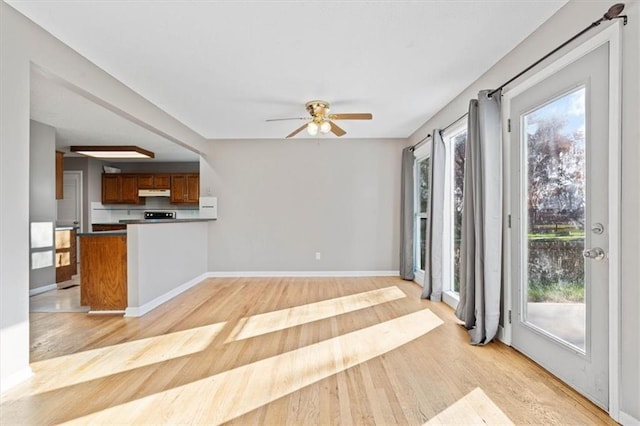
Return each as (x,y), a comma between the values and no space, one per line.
(407,261)
(481,243)
(435,234)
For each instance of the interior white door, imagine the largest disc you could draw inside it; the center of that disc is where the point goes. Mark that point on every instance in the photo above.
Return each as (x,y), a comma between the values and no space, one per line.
(70,207)
(559,145)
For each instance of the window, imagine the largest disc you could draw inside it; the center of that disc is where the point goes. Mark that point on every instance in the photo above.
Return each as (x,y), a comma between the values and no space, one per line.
(455,140)
(458,143)
(422,200)
(423,177)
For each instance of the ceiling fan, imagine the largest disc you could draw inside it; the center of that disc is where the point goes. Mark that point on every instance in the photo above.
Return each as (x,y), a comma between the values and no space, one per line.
(321,121)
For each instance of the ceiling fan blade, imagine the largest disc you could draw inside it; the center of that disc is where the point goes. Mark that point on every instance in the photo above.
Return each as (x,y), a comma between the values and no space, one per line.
(336,129)
(296,131)
(352,116)
(284,119)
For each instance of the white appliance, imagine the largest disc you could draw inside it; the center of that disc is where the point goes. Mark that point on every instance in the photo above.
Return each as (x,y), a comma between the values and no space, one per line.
(209,207)
(154,192)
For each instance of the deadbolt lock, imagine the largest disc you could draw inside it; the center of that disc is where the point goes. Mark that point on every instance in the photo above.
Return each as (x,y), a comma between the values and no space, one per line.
(597,228)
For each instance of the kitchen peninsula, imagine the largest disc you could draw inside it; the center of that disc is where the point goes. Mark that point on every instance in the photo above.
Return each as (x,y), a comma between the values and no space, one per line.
(135,270)
(103,262)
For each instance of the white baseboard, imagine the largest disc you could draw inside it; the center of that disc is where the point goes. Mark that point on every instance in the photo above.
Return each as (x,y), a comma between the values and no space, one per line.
(627,419)
(15,379)
(418,277)
(265,274)
(112,312)
(141,310)
(43,289)
(450,299)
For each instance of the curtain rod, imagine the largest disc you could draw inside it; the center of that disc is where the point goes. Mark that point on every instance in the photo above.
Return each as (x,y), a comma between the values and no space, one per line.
(613,13)
(421,141)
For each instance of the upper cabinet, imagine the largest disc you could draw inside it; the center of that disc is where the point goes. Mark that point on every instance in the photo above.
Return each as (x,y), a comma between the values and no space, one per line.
(59,175)
(185,188)
(120,189)
(154,181)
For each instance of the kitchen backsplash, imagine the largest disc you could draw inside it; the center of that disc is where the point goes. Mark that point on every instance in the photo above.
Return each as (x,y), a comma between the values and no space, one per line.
(112,213)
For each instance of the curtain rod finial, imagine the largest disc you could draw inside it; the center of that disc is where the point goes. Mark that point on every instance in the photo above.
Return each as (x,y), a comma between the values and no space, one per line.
(614,11)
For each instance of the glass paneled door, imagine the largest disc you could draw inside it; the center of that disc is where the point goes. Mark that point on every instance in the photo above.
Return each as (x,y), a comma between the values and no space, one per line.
(559,223)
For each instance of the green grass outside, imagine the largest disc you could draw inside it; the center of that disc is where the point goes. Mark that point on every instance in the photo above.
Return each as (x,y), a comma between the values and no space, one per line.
(559,236)
(557,293)
(559,233)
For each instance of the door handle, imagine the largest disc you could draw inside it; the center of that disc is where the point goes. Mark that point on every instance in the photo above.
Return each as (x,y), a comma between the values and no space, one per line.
(595,253)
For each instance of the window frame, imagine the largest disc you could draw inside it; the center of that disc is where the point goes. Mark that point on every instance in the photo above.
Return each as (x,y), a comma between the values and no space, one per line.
(421,153)
(449,295)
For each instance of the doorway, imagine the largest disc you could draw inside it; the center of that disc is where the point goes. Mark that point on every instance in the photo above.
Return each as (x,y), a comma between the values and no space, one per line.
(70,207)
(66,298)
(564,224)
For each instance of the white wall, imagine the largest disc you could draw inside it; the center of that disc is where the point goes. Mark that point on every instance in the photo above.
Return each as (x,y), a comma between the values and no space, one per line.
(156,269)
(572,18)
(281,201)
(22,43)
(14,191)
(42,192)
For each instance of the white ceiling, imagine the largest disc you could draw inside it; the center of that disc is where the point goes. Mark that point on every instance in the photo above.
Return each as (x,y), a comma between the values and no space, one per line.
(80,121)
(224,67)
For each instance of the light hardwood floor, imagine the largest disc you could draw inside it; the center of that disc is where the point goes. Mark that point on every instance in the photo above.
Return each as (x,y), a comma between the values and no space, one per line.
(300,351)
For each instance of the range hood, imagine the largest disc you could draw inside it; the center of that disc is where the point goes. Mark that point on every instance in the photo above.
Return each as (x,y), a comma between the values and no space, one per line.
(154,193)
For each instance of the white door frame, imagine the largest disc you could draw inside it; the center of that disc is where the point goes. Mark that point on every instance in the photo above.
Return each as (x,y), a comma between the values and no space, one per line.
(79,198)
(611,35)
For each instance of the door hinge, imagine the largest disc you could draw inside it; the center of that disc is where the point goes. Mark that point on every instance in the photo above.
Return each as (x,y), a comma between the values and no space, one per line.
(509,221)
(509,125)
(509,316)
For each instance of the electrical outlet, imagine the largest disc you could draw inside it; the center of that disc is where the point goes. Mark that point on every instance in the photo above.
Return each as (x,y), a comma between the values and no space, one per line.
(318,255)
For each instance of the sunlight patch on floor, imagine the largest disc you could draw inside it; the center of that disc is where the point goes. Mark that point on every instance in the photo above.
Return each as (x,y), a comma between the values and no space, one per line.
(475,408)
(93,364)
(225,396)
(257,325)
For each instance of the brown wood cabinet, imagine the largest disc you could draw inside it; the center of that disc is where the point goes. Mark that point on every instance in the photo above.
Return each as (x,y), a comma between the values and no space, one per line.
(59,175)
(154,181)
(101,227)
(185,188)
(66,257)
(103,282)
(120,189)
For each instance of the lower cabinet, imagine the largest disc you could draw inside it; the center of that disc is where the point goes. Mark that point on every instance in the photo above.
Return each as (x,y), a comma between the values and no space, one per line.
(103,282)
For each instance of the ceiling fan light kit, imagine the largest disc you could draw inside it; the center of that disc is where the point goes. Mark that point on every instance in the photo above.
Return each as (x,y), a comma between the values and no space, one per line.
(321,121)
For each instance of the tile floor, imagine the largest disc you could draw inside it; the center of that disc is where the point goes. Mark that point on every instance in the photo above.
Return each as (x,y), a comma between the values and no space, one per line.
(66,298)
